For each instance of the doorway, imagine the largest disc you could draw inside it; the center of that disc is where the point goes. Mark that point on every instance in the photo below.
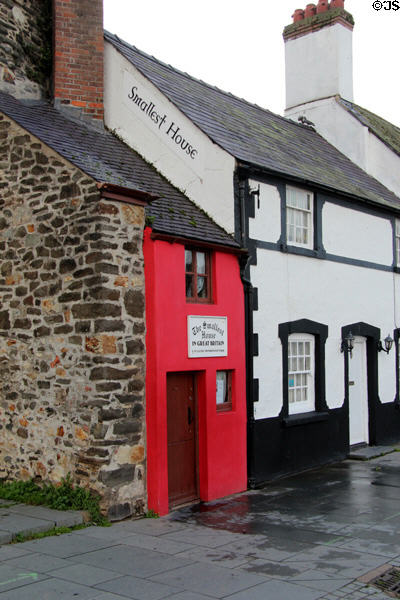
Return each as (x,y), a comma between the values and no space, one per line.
(358,393)
(182,439)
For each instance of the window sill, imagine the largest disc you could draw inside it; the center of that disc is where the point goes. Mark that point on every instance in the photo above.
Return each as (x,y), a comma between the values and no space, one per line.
(303,251)
(224,408)
(304,418)
(199,301)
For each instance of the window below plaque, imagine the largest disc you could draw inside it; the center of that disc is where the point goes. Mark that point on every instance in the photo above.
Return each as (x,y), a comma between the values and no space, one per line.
(197,275)
(224,390)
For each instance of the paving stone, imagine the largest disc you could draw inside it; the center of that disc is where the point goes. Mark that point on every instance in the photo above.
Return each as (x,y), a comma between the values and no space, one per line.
(222,558)
(372,547)
(51,589)
(15,577)
(158,543)
(128,560)
(57,518)
(151,526)
(106,596)
(14,523)
(84,574)
(67,545)
(8,551)
(319,581)
(278,570)
(137,588)
(210,538)
(40,563)
(208,579)
(266,547)
(188,596)
(117,532)
(278,590)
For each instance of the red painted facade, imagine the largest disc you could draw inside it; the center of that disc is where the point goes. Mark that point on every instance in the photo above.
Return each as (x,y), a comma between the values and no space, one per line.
(221,436)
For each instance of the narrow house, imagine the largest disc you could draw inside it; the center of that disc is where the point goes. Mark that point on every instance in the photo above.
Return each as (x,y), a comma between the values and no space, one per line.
(195,345)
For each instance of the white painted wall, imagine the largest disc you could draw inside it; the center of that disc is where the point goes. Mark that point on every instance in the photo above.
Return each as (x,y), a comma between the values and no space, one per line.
(352,138)
(318,65)
(266,224)
(353,234)
(292,287)
(147,120)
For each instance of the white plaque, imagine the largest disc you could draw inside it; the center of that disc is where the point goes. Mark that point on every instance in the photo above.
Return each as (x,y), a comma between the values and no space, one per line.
(207,336)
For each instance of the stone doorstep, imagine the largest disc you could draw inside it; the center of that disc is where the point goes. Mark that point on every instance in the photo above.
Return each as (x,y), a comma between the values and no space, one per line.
(369,452)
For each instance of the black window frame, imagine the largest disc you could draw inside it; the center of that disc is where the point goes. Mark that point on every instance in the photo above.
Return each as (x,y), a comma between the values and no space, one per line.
(320,333)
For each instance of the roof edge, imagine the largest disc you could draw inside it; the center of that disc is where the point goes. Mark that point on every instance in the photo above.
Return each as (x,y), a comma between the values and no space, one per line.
(257,169)
(156,235)
(124,194)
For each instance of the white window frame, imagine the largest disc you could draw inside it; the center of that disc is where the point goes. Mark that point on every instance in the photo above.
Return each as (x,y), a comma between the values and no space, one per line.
(301,373)
(397,238)
(299,217)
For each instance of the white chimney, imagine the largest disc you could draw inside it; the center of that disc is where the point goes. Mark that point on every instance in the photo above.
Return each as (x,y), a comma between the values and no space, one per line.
(318,53)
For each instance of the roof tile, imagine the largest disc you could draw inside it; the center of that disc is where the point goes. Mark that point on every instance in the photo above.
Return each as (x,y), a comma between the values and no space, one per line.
(257,136)
(104,157)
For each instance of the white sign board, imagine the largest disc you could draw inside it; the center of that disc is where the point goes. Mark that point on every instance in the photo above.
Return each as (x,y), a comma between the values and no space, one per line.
(157,116)
(207,336)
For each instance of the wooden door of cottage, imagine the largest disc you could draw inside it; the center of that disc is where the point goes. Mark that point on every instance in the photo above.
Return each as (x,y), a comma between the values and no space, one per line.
(182,439)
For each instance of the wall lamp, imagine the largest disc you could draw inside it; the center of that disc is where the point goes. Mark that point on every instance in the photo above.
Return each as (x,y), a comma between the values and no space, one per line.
(388,344)
(347,344)
(256,192)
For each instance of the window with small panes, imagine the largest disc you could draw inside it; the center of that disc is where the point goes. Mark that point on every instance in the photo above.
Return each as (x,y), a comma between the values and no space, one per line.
(197,275)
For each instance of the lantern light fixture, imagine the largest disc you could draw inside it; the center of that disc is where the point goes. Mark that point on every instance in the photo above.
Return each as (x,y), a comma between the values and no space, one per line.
(347,343)
(388,341)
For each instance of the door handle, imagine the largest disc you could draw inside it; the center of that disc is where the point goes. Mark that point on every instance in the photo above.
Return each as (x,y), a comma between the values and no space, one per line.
(190,418)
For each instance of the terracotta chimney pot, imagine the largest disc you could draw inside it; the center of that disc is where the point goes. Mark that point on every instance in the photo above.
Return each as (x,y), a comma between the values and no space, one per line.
(323,6)
(298,15)
(337,4)
(310,10)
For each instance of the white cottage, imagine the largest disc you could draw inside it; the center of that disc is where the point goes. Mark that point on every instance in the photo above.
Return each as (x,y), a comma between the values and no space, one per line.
(321,282)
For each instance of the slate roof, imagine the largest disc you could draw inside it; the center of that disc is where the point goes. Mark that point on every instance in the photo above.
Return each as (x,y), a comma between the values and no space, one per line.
(107,159)
(388,133)
(256,136)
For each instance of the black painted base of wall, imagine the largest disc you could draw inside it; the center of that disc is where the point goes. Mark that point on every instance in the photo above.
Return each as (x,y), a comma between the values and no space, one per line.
(387,423)
(279,446)
(276,449)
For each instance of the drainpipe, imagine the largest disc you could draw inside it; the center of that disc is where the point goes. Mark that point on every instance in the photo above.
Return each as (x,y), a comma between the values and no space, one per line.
(248,304)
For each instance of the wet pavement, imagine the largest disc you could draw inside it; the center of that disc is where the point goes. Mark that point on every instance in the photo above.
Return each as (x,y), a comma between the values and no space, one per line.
(320,534)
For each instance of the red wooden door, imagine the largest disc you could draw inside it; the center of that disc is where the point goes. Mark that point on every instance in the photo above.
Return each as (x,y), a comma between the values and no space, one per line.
(182,439)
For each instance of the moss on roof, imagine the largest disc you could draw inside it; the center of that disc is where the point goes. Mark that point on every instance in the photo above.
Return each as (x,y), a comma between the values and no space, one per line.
(256,136)
(388,133)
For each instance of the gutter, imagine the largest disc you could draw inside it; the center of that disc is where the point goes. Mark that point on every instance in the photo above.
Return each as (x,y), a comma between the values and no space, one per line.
(248,305)
(112,191)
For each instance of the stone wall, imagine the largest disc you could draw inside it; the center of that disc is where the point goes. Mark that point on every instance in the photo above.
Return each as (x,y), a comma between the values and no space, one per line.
(72,355)
(25,47)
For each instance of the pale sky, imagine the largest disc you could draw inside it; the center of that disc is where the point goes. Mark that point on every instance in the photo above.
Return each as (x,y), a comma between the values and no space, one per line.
(238,46)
